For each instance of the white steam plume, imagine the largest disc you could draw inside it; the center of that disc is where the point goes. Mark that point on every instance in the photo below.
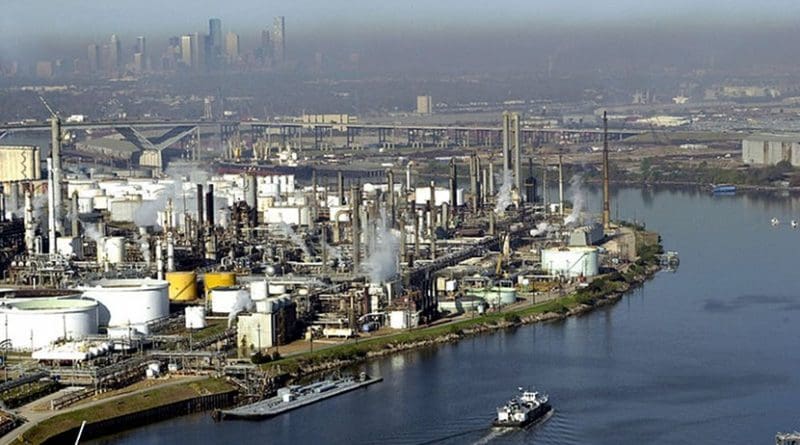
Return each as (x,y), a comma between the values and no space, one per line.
(578,200)
(242,303)
(541,229)
(381,263)
(503,198)
(295,238)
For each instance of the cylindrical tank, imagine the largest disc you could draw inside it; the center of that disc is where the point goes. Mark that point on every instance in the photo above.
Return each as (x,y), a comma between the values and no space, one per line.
(129,302)
(195,317)
(33,324)
(571,261)
(258,290)
(218,279)
(182,286)
(112,250)
(223,299)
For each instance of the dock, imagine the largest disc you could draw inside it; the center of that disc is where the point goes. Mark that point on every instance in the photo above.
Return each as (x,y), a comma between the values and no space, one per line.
(293,397)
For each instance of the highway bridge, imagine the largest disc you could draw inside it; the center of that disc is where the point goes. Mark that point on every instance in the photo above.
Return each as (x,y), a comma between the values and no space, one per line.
(321,135)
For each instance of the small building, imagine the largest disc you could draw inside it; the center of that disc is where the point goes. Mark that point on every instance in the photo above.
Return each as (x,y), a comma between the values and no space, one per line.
(424,105)
(587,235)
(770,149)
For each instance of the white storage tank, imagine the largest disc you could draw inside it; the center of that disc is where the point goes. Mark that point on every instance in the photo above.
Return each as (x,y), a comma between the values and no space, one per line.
(34,324)
(195,317)
(571,261)
(223,299)
(129,302)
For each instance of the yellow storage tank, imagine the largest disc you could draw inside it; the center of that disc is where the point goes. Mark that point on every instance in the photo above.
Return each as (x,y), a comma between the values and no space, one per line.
(218,279)
(182,286)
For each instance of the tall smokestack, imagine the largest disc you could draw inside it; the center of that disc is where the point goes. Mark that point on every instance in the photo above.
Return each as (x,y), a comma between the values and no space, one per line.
(517,153)
(74,229)
(391,198)
(340,187)
(478,179)
(210,206)
(506,142)
(2,203)
(51,209)
(200,210)
(490,192)
(30,226)
(484,180)
(55,154)
(560,185)
(544,186)
(355,219)
(606,195)
(473,180)
(453,184)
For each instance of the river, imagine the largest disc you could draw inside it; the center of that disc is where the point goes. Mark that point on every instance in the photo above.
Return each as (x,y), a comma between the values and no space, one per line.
(705,354)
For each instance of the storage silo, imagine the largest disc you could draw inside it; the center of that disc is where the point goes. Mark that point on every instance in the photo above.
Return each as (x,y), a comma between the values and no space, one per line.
(33,324)
(182,286)
(129,302)
(571,261)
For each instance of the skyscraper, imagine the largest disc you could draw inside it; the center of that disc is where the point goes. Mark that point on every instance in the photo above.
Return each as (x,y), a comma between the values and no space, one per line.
(140,56)
(93,55)
(188,49)
(279,39)
(232,47)
(214,47)
(115,54)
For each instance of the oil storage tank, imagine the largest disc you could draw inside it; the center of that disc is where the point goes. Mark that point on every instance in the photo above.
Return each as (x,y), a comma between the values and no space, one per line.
(218,279)
(571,261)
(129,302)
(34,324)
(182,286)
(226,299)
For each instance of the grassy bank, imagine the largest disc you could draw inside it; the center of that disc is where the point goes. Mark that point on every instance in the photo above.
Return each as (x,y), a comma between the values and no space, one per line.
(119,407)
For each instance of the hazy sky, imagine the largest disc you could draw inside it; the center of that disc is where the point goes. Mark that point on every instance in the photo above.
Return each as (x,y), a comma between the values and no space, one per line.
(47,26)
(32,18)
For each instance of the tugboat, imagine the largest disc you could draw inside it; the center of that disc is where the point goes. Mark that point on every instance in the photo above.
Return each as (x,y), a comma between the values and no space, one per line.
(523,410)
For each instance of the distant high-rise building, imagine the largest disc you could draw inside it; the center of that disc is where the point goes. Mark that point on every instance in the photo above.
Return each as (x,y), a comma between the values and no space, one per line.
(232,47)
(279,39)
(140,58)
(424,105)
(265,52)
(115,53)
(188,50)
(44,69)
(215,43)
(199,54)
(93,55)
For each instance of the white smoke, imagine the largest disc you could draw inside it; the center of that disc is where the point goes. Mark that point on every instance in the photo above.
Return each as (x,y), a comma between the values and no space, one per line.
(503,198)
(381,263)
(578,200)
(541,229)
(293,236)
(177,186)
(242,303)
(333,252)
(91,232)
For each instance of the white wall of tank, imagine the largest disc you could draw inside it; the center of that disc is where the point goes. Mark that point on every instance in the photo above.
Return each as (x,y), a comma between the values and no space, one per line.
(35,323)
(129,302)
(571,261)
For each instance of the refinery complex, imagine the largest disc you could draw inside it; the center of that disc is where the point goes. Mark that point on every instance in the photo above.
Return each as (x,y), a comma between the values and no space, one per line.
(212,264)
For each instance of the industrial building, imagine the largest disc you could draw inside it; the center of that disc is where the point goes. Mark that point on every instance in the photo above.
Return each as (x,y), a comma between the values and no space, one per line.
(770,149)
(19,163)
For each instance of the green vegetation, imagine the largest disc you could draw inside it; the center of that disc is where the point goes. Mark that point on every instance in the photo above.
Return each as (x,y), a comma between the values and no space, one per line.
(652,170)
(26,393)
(122,406)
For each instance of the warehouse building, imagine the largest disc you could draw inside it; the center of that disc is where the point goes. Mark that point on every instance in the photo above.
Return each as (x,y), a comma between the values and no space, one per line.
(770,149)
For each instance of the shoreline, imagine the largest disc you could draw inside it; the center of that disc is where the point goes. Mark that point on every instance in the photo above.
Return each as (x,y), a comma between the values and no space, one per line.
(293,369)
